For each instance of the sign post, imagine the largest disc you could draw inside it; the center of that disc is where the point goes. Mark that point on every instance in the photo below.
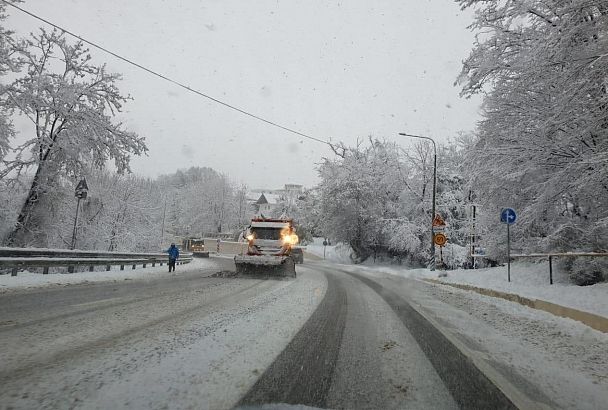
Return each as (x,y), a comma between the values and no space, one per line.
(508,217)
(439,239)
(80,192)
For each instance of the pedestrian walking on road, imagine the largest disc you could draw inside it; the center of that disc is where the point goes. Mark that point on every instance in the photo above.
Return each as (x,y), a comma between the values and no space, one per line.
(173,255)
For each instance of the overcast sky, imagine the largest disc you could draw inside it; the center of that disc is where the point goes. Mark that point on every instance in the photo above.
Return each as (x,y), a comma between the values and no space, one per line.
(341,70)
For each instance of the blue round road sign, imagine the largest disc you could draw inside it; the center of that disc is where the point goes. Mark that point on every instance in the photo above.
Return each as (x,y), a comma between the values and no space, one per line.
(508,216)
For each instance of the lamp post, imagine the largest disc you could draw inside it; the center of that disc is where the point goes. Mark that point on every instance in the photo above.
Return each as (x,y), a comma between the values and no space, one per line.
(81,193)
(432,261)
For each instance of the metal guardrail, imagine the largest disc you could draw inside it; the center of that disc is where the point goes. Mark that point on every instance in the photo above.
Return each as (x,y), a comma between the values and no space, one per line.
(16,258)
(558,254)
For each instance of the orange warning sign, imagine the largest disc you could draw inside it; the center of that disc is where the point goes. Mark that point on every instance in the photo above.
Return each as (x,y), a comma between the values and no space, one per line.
(438,220)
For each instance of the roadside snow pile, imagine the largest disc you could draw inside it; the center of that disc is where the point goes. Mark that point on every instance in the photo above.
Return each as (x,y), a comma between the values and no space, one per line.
(26,279)
(532,280)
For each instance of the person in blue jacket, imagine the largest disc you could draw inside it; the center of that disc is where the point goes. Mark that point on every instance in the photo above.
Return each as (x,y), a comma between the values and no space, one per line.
(173,255)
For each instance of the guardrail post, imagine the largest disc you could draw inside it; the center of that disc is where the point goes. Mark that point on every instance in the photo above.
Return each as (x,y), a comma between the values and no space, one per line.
(122,267)
(133,267)
(45,270)
(70,269)
(91,268)
(144,265)
(14,272)
(550,270)
(153,263)
(108,268)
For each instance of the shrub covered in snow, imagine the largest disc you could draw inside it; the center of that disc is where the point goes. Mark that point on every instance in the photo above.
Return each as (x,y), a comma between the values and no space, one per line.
(588,271)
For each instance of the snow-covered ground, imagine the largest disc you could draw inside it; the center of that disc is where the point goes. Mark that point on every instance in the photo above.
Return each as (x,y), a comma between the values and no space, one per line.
(339,253)
(527,279)
(200,347)
(565,359)
(26,279)
(559,361)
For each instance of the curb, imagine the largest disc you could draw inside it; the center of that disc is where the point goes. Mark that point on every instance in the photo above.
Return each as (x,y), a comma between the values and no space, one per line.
(592,320)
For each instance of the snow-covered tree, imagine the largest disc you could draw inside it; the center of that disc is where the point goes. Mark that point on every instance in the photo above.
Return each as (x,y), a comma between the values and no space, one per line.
(70,103)
(9,62)
(307,216)
(543,145)
(360,196)
(377,197)
(202,200)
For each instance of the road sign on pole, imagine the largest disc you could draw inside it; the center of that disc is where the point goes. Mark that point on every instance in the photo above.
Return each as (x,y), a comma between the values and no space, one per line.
(438,222)
(440,239)
(81,189)
(508,217)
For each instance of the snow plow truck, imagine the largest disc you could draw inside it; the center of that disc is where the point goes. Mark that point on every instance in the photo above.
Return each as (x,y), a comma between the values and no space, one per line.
(269,245)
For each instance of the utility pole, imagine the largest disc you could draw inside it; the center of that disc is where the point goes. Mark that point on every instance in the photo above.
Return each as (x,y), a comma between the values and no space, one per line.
(432,260)
(162,231)
(73,244)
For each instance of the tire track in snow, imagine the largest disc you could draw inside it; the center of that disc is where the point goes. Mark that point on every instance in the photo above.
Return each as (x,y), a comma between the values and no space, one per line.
(302,373)
(91,347)
(469,387)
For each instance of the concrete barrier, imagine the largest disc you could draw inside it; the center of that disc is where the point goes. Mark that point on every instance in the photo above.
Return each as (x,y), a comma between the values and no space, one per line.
(226,247)
(592,320)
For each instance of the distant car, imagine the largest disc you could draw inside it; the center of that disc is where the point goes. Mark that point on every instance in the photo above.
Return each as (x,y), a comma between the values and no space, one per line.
(298,255)
(196,246)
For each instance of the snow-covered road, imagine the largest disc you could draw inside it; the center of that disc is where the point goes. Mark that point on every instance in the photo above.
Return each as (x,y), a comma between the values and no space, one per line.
(187,341)
(556,361)
(335,337)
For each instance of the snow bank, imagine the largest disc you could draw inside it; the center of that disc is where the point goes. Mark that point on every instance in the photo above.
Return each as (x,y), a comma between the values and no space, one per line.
(527,279)
(532,280)
(26,279)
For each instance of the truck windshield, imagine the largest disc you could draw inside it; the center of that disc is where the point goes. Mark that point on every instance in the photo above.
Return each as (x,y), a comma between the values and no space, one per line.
(267,233)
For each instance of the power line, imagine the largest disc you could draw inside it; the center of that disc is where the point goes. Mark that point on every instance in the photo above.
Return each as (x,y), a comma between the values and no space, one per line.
(164,77)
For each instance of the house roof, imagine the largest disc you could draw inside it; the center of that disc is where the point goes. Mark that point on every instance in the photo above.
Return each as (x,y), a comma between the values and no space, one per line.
(262,200)
(272,199)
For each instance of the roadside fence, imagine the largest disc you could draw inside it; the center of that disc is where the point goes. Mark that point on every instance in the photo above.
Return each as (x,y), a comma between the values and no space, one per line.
(24,258)
(550,256)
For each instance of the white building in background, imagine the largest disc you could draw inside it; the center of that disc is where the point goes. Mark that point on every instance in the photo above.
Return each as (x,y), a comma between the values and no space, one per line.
(290,193)
(268,202)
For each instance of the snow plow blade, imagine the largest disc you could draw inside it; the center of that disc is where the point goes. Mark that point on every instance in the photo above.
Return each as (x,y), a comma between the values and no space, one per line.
(266,266)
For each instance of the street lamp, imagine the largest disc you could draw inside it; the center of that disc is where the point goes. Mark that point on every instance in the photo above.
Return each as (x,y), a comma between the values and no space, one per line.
(81,193)
(432,261)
